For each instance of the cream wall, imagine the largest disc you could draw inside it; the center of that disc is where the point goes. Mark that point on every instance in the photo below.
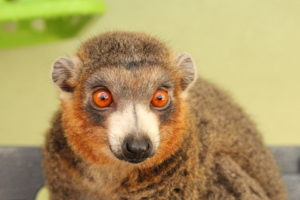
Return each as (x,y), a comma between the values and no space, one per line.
(250,48)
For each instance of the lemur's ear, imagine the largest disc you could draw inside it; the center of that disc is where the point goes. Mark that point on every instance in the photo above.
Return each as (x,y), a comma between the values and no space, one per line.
(186,65)
(65,73)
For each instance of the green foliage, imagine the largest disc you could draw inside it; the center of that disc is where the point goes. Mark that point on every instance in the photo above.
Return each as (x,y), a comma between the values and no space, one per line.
(32,21)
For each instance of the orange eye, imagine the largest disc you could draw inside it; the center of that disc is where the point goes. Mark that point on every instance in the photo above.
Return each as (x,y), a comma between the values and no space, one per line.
(102,98)
(160,98)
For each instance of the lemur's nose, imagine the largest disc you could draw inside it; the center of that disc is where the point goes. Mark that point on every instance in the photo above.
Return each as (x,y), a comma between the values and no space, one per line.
(136,149)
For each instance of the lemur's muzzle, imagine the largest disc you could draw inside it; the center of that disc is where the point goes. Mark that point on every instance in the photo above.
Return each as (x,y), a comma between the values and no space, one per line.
(136,149)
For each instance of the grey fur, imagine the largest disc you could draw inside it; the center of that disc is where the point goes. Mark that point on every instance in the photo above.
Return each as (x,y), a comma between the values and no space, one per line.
(185,63)
(63,71)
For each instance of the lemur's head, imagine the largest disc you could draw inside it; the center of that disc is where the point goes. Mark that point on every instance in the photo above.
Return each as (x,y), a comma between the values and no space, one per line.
(123,98)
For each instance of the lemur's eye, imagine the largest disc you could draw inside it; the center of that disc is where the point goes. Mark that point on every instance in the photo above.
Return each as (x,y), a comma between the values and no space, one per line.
(102,98)
(160,98)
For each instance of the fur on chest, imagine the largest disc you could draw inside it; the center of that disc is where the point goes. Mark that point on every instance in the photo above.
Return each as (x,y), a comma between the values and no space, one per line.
(175,178)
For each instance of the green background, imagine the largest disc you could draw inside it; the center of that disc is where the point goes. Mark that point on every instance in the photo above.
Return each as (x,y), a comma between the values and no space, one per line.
(250,48)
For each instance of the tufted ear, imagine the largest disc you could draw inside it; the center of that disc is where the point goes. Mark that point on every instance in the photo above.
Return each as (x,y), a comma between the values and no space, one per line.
(185,64)
(65,72)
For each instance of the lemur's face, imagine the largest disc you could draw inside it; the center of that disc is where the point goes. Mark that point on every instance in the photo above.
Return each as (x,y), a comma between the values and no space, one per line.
(133,114)
(132,105)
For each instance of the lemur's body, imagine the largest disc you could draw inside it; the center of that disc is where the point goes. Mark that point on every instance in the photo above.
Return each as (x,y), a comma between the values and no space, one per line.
(206,148)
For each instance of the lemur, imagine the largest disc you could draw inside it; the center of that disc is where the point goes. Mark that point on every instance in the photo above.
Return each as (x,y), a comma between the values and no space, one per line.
(136,123)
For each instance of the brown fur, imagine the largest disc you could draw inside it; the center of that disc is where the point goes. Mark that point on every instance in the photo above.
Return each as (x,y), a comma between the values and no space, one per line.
(209,149)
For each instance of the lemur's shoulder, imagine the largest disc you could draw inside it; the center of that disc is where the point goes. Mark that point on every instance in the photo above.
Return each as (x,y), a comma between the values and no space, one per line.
(205,94)
(213,102)
(56,145)
(220,120)
(55,139)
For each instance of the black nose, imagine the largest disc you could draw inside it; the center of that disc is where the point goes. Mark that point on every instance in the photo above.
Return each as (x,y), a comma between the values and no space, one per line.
(136,149)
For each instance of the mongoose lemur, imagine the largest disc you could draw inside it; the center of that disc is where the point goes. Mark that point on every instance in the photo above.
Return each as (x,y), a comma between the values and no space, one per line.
(136,123)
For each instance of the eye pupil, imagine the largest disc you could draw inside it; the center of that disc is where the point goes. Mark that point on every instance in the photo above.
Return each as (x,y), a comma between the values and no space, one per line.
(103,96)
(159,97)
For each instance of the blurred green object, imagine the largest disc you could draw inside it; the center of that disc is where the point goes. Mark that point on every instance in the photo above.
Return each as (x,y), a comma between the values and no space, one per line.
(24,22)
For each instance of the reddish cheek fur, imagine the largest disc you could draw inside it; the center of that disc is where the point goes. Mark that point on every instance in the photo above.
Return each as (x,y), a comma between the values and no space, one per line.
(171,135)
(88,141)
